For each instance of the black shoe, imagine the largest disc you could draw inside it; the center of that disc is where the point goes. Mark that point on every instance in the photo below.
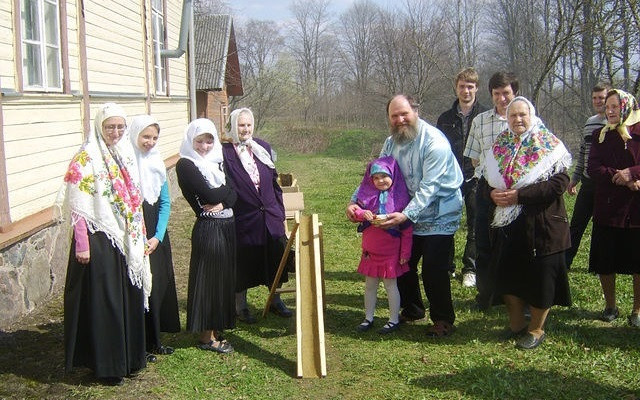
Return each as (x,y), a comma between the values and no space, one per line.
(280,309)
(365,325)
(409,316)
(163,350)
(217,346)
(609,314)
(245,316)
(389,327)
(528,341)
(508,334)
(151,358)
(112,381)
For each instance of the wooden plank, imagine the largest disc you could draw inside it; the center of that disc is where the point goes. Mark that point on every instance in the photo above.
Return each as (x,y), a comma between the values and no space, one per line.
(309,311)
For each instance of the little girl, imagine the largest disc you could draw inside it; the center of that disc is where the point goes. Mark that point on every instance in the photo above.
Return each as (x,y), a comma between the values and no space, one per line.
(385,252)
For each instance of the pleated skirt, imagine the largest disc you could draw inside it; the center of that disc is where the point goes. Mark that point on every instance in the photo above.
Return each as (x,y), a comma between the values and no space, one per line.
(103,313)
(212,275)
(163,303)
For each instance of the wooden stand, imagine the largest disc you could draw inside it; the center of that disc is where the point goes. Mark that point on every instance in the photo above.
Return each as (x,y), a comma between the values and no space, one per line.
(307,235)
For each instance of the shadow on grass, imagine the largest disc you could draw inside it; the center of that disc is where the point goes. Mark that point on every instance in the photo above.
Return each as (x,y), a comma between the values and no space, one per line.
(37,355)
(262,354)
(490,381)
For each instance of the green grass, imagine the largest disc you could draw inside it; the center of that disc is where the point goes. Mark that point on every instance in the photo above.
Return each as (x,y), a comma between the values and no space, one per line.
(582,357)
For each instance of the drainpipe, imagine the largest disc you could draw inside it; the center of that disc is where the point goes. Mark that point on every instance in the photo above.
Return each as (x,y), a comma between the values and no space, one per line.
(187,12)
(186,30)
(192,68)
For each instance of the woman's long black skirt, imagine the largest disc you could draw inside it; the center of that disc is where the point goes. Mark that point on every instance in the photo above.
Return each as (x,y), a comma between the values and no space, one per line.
(212,275)
(613,250)
(163,303)
(258,265)
(103,313)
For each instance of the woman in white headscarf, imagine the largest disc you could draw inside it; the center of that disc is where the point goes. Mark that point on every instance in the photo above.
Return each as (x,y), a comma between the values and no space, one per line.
(108,277)
(527,174)
(212,270)
(163,303)
(259,212)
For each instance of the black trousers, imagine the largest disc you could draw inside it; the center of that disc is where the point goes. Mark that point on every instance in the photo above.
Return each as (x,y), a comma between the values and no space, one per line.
(484,277)
(582,213)
(434,250)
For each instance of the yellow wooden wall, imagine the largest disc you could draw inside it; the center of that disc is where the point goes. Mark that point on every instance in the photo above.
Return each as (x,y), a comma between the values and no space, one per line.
(42,131)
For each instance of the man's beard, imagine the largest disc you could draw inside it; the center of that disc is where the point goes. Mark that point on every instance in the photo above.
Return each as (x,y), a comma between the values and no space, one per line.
(404,133)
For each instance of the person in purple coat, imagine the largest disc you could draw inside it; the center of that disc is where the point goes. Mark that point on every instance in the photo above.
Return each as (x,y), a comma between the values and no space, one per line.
(259,212)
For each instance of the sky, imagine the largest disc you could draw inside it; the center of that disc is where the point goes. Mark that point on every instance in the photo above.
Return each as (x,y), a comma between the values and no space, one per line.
(278,10)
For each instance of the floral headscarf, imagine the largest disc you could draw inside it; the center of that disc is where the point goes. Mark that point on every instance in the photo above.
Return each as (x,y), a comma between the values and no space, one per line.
(101,187)
(519,160)
(210,166)
(153,172)
(260,152)
(629,115)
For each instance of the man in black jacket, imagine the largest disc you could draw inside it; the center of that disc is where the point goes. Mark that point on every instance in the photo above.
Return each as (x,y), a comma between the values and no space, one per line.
(455,124)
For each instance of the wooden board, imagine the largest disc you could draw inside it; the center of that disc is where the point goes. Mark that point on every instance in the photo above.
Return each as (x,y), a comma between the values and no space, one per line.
(309,300)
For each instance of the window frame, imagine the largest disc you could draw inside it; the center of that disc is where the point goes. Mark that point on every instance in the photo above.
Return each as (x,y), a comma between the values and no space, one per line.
(43,47)
(159,41)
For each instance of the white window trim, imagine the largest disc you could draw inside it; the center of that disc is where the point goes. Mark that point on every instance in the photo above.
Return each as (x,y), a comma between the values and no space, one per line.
(159,70)
(43,46)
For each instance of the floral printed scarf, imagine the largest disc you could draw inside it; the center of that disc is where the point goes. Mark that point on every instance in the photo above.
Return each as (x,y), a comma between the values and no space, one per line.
(629,115)
(101,187)
(516,161)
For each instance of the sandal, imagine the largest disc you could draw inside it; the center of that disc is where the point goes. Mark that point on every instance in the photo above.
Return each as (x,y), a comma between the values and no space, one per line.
(389,327)
(217,346)
(440,329)
(365,325)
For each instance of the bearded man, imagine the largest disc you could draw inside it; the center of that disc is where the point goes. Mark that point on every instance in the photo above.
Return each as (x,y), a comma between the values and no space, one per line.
(433,178)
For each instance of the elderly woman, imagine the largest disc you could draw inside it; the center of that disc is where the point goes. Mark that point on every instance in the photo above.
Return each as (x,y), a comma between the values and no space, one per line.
(163,303)
(108,277)
(212,270)
(527,174)
(614,165)
(259,212)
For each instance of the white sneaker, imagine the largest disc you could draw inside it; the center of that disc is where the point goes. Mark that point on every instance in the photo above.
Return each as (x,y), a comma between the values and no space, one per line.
(468,279)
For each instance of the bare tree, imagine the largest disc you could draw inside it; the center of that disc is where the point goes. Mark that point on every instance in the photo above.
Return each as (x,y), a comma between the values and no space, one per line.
(260,44)
(306,38)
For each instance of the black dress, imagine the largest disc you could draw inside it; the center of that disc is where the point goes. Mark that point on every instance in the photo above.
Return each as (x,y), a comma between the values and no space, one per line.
(103,313)
(212,268)
(163,303)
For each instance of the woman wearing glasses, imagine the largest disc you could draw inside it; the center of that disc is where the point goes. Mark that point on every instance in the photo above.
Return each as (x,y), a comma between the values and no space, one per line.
(108,276)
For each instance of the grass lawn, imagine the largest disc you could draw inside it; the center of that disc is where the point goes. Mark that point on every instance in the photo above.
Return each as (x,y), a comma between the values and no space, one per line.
(582,357)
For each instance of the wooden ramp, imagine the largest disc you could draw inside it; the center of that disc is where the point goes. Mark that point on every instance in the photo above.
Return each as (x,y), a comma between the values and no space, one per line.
(312,362)
(307,236)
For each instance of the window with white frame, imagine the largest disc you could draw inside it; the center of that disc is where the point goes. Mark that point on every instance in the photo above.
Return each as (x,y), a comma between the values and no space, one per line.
(40,28)
(157,16)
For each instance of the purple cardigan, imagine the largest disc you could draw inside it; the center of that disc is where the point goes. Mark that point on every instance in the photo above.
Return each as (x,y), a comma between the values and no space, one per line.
(614,205)
(257,213)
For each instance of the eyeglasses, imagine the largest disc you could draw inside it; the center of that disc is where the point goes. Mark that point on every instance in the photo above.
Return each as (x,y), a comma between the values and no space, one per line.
(113,128)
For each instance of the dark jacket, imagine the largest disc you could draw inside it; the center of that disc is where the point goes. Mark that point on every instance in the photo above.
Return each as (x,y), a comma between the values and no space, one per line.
(451,124)
(547,224)
(257,213)
(614,205)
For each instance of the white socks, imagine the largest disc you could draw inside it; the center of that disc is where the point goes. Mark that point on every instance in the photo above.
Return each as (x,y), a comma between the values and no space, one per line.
(371,295)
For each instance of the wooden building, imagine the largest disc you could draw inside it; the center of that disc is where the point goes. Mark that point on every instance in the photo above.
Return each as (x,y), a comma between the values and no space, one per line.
(58,60)
(217,67)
